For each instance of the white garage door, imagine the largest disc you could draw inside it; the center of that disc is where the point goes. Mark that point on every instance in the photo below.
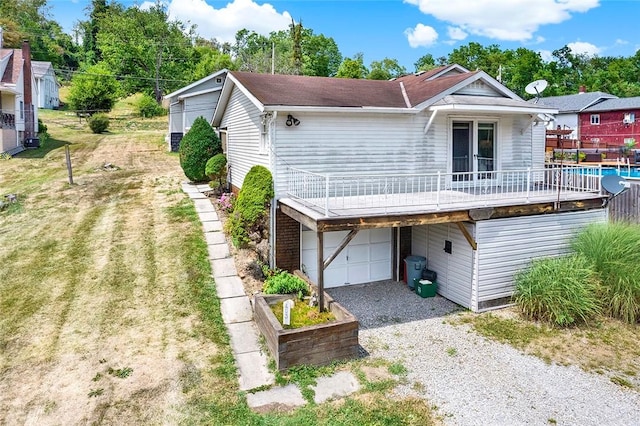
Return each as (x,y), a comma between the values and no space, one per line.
(366,258)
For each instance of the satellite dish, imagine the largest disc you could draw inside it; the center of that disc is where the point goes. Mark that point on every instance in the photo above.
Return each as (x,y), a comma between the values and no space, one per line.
(536,87)
(614,184)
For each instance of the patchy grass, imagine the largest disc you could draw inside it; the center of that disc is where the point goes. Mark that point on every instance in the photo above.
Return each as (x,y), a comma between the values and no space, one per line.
(301,314)
(607,347)
(109,311)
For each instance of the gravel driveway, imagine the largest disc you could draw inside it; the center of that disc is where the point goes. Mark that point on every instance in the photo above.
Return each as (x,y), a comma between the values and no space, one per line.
(472,380)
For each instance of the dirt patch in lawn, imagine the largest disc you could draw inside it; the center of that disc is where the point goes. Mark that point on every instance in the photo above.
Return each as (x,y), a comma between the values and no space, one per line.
(97,322)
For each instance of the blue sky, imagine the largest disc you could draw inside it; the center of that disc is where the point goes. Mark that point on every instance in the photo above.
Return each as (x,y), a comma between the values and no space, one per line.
(406,30)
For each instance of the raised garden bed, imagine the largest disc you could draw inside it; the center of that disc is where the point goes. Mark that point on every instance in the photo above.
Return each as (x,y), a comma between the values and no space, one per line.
(318,344)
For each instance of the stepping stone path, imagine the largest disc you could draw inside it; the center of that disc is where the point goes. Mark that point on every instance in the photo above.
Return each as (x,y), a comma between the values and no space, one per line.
(237,314)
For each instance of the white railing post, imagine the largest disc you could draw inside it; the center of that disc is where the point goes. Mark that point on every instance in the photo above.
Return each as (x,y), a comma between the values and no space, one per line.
(438,192)
(326,196)
(528,182)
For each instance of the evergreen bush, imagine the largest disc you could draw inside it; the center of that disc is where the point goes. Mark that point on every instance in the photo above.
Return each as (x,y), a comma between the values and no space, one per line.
(196,148)
(216,169)
(561,291)
(250,208)
(99,123)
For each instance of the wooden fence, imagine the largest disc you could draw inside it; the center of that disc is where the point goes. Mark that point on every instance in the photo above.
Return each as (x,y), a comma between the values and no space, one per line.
(626,206)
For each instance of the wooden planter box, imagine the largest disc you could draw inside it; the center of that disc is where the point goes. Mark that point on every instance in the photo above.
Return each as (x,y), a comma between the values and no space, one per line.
(312,345)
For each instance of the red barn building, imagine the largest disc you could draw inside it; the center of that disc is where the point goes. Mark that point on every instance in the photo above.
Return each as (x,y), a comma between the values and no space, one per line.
(611,122)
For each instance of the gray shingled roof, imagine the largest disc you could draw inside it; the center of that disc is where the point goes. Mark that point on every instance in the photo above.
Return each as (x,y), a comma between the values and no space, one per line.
(616,104)
(574,103)
(40,68)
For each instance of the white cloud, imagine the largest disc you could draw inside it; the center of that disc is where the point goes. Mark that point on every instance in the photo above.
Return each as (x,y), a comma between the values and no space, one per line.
(421,36)
(620,42)
(456,33)
(583,48)
(546,55)
(513,20)
(222,24)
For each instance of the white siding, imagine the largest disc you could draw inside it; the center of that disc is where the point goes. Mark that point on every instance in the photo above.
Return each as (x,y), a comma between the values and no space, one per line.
(199,106)
(242,121)
(479,88)
(351,143)
(455,270)
(419,242)
(506,246)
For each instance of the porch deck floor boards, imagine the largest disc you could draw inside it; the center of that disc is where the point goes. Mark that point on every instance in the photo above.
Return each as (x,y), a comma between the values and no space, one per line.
(428,202)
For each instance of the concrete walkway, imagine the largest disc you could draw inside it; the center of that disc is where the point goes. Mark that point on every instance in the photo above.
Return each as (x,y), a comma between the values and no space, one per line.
(237,314)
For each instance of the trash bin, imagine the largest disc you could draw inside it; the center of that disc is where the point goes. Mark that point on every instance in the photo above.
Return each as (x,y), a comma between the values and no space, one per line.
(425,288)
(413,268)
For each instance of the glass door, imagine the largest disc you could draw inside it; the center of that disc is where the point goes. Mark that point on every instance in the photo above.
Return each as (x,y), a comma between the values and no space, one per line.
(462,150)
(485,157)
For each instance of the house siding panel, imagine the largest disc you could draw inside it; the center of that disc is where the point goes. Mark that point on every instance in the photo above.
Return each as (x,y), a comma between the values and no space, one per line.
(242,121)
(364,143)
(611,131)
(199,106)
(506,246)
(455,270)
(419,243)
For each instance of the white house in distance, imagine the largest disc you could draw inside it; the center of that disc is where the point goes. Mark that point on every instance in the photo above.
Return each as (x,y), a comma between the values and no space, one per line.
(447,164)
(47,85)
(190,102)
(18,94)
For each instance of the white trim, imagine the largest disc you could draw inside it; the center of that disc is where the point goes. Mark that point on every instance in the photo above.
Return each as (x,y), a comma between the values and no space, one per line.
(202,92)
(196,83)
(492,108)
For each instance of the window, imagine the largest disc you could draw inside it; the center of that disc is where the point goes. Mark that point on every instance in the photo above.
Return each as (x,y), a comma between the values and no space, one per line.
(21,110)
(595,118)
(629,117)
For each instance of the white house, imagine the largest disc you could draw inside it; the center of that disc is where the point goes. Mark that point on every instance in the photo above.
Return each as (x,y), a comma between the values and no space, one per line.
(47,85)
(198,99)
(18,112)
(447,164)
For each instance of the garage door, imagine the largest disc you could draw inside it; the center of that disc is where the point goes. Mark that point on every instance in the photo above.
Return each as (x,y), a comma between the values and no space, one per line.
(366,258)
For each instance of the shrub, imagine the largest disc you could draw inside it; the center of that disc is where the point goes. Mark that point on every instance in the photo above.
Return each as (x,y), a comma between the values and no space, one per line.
(250,209)
(196,147)
(216,169)
(226,202)
(98,123)
(94,89)
(285,283)
(148,107)
(614,251)
(561,291)
(43,132)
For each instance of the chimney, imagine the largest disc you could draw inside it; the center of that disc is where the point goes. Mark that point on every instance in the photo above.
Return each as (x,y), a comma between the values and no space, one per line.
(29,125)
(582,89)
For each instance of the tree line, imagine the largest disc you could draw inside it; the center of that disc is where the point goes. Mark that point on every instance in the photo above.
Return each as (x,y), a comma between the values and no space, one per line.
(144,51)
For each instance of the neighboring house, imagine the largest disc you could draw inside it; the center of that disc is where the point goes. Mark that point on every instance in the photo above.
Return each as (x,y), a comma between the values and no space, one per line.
(612,122)
(46,84)
(446,164)
(570,107)
(18,113)
(190,102)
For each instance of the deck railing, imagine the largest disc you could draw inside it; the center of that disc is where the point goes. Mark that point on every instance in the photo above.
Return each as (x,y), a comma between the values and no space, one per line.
(438,190)
(7,121)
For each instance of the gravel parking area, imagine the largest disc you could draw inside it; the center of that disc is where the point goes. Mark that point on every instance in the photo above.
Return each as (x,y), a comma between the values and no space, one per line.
(472,380)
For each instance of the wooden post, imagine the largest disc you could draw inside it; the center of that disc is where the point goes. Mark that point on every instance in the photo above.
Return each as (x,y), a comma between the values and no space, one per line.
(320,247)
(68,156)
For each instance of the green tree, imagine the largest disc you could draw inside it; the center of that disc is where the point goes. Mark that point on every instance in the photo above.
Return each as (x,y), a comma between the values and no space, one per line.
(353,67)
(93,89)
(208,60)
(321,56)
(146,48)
(196,148)
(386,70)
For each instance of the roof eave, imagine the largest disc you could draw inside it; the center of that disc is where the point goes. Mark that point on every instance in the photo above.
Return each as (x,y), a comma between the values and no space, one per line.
(358,109)
(492,109)
(195,83)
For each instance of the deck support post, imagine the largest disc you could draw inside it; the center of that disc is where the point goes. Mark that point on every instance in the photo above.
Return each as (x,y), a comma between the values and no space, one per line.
(320,250)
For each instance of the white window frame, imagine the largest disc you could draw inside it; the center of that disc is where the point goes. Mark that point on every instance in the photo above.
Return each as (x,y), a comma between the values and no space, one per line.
(595,119)
(629,117)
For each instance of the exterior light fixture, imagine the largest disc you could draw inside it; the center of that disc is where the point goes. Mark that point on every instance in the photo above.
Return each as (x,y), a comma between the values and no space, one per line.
(292,121)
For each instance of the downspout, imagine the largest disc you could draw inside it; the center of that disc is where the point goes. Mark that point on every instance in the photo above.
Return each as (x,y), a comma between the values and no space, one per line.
(274,202)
